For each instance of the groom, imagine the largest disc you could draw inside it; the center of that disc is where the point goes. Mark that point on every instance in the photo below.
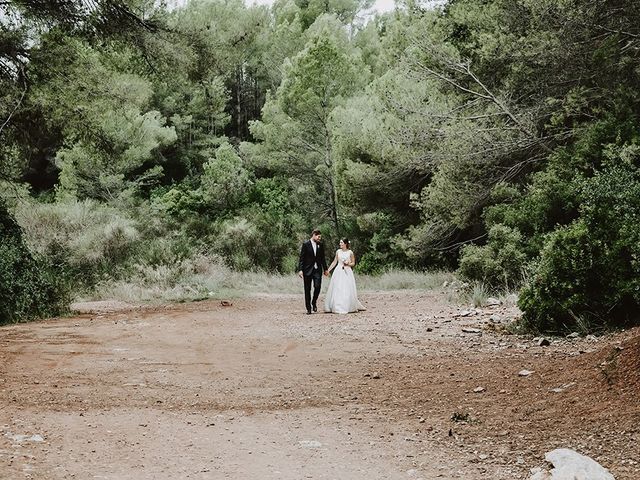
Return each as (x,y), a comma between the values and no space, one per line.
(311,265)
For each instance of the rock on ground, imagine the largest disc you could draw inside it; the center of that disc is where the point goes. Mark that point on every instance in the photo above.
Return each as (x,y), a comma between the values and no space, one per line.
(571,465)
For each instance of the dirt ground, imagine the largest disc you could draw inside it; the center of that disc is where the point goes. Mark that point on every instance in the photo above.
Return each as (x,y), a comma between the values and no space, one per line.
(259,390)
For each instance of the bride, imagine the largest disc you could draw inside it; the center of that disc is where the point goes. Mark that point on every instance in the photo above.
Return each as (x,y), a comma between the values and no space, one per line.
(342,296)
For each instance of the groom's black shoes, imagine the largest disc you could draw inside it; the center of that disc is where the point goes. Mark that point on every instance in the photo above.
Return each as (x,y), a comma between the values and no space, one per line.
(308,312)
(315,308)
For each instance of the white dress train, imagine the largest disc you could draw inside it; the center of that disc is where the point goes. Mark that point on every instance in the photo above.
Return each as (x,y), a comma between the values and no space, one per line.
(342,296)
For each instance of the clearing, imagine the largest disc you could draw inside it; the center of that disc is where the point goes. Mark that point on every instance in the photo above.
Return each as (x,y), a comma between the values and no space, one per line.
(259,390)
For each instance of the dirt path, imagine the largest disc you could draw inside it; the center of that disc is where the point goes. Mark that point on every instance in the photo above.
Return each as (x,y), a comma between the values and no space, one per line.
(258,390)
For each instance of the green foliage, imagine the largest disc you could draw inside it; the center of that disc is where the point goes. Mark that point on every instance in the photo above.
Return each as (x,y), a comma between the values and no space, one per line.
(296,126)
(265,236)
(163,145)
(225,181)
(178,203)
(499,264)
(28,286)
(87,239)
(588,272)
(110,138)
(378,249)
(345,10)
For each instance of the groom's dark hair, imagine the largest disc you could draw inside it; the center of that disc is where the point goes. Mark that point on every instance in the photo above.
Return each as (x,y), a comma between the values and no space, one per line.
(316,232)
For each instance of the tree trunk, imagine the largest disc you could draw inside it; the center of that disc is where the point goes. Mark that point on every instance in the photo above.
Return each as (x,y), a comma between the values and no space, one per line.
(239,101)
(332,180)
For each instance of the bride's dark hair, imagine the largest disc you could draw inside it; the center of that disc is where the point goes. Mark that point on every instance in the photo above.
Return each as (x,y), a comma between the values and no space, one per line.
(346,242)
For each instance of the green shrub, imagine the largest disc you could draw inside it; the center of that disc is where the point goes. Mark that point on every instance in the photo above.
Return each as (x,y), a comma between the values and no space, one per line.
(499,264)
(588,274)
(28,288)
(86,237)
(382,253)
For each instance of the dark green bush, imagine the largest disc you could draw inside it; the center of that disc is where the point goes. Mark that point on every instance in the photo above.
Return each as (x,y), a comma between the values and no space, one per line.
(499,264)
(28,288)
(588,274)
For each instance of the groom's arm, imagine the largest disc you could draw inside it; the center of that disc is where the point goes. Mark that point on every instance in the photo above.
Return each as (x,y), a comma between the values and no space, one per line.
(301,259)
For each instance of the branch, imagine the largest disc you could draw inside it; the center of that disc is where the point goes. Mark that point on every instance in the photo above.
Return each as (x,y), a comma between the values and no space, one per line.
(503,107)
(619,32)
(485,93)
(452,82)
(459,244)
(15,109)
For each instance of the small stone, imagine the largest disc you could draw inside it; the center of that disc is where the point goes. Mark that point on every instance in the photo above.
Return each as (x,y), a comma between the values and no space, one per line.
(538,474)
(543,342)
(376,375)
(471,330)
(478,390)
(525,372)
(573,335)
(492,302)
(310,444)
(591,338)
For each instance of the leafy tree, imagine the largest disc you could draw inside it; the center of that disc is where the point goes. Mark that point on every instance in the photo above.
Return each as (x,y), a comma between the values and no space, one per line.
(345,10)
(224,37)
(29,288)
(225,181)
(296,125)
(108,136)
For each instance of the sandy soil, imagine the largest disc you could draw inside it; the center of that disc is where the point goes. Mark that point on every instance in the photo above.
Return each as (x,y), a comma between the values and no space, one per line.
(258,390)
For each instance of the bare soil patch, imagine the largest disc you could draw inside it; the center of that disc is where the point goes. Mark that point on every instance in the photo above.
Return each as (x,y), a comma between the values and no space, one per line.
(260,390)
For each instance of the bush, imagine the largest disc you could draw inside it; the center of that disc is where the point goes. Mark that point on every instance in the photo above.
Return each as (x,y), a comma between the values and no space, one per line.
(28,289)
(382,252)
(499,264)
(191,278)
(86,237)
(588,274)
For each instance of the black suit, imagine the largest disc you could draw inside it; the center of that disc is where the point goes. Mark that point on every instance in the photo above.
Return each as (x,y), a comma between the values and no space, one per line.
(312,265)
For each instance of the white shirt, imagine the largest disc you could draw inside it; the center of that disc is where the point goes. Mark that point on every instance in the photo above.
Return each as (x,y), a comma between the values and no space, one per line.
(315,248)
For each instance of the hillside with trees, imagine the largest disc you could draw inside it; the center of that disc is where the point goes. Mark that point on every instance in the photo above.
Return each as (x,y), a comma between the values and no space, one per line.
(146,144)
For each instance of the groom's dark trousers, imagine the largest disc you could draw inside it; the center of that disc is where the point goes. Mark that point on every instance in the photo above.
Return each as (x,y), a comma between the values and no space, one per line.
(316,279)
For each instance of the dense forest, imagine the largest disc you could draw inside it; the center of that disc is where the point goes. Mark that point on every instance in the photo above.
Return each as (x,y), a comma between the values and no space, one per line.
(499,138)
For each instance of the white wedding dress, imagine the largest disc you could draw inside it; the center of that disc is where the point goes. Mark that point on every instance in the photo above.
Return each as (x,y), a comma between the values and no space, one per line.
(342,296)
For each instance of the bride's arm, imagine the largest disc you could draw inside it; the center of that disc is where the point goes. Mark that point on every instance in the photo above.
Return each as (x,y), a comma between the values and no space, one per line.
(334,263)
(352,261)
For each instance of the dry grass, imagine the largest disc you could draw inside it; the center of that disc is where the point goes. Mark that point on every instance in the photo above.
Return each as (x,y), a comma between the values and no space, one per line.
(209,278)
(478,294)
